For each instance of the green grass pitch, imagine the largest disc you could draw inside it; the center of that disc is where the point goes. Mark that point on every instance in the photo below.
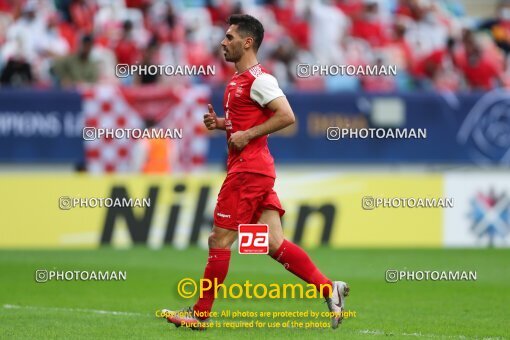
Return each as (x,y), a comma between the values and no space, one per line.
(425,309)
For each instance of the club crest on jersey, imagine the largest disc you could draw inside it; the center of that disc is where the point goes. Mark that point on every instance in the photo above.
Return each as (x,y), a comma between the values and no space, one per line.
(239,91)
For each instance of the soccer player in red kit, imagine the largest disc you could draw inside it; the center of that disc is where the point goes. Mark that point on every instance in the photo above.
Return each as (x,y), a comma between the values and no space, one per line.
(254,107)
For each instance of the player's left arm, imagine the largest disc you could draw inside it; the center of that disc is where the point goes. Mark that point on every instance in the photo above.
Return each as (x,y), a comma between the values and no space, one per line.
(283,116)
(266,92)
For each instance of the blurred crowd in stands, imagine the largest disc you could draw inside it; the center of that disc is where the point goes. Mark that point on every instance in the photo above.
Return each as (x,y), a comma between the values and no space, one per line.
(47,43)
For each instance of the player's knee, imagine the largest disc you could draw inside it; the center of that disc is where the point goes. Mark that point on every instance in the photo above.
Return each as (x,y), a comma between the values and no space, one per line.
(216,241)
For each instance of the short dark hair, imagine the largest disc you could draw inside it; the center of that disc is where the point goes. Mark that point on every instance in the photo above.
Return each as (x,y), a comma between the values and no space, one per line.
(248,25)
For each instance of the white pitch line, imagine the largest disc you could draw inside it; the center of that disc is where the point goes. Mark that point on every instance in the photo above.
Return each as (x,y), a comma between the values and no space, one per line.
(379,332)
(81,310)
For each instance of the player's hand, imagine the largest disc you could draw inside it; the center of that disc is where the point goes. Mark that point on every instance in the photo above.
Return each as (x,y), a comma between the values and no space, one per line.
(210,118)
(238,140)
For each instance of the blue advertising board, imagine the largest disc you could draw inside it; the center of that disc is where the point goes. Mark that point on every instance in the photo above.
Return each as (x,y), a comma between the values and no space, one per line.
(45,126)
(40,126)
(459,129)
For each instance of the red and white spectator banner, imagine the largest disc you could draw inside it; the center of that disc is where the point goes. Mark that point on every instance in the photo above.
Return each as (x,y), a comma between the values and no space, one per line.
(113,107)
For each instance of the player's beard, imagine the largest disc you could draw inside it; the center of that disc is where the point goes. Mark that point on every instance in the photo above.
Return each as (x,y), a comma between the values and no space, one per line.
(233,55)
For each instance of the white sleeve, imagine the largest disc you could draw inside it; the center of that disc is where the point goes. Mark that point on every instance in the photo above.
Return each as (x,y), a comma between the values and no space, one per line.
(264,89)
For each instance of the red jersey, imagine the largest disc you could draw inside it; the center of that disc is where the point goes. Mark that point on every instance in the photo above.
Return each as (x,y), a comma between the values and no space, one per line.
(481,75)
(244,104)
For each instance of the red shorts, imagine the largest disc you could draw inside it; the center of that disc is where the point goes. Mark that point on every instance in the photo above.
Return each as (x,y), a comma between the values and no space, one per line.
(242,199)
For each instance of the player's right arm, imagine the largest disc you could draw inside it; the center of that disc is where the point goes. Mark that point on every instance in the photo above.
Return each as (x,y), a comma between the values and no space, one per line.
(211,121)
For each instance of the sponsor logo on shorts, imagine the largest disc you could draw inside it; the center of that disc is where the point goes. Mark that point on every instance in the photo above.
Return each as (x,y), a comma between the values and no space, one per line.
(223,215)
